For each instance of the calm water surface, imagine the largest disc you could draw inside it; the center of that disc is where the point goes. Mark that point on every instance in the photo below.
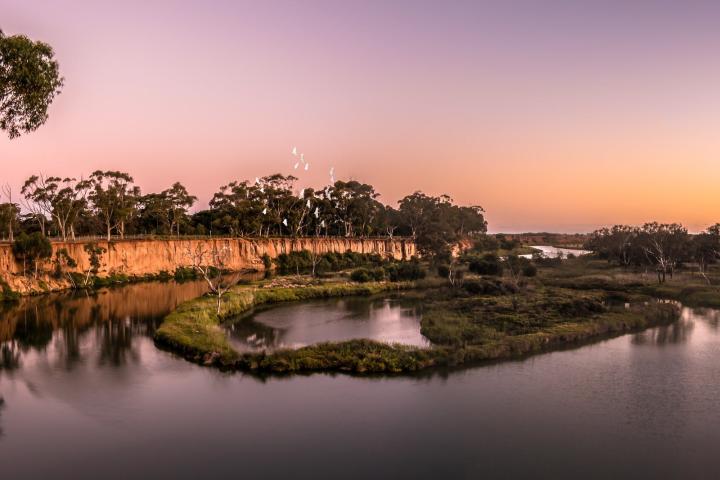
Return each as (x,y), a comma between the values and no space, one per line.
(87,395)
(553,252)
(297,325)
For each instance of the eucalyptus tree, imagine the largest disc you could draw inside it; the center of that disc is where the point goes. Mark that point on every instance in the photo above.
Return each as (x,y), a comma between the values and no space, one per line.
(29,81)
(62,199)
(665,245)
(415,209)
(9,213)
(236,209)
(705,248)
(9,219)
(355,206)
(153,214)
(276,195)
(114,199)
(620,243)
(180,201)
(436,223)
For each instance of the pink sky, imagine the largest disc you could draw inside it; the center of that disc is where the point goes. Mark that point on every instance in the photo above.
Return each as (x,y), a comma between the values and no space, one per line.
(551,115)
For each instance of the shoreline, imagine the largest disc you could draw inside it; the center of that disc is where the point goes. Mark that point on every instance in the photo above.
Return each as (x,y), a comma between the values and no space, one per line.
(193,331)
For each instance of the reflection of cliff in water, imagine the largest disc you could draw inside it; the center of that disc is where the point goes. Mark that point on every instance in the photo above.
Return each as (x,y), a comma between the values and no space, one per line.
(60,324)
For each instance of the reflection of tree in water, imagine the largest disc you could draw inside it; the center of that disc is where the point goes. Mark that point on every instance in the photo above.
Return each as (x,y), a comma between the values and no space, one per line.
(63,319)
(361,308)
(256,335)
(32,332)
(710,315)
(115,341)
(678,332)
(2,405)
(9,356)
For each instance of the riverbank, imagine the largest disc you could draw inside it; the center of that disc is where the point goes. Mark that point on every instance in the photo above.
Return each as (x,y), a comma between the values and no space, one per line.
(463,327)
(628,284)
(127,261)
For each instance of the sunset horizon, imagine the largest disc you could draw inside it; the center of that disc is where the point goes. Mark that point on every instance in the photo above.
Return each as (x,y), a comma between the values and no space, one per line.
(359,239)
(563,120)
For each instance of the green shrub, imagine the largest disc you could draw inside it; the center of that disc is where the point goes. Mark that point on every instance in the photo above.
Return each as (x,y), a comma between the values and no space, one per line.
(489,264)
(183,274)
(529,270)
(33,248)
(398,272)
(302,262)
(361,275)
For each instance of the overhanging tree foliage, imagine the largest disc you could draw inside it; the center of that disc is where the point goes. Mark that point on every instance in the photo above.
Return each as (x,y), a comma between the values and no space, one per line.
(29,81)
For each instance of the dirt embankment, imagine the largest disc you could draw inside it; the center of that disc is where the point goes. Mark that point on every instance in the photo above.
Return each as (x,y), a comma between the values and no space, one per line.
(152,257)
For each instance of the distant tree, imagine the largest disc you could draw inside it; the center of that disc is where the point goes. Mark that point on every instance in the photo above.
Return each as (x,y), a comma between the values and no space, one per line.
(437,224)
(705,248)
(180,200)
(153,214)
(617,244)
(62,199)
(486,243)
(664,245)
(29,81)
(33,248)
(114,198)
(9,213)
(164,212)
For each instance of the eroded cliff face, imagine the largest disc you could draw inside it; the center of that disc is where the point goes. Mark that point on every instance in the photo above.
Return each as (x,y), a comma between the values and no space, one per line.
(151,257)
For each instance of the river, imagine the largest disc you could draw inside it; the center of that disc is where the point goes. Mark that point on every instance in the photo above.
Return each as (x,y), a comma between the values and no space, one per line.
(88,395)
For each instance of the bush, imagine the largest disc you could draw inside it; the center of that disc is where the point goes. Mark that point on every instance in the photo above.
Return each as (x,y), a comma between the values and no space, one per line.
(486,243)
(32,248)
(362,275)
(443,271)
(302,262)
(529,270)
(487,287)
(544,261)
(267,261)
(398,272)
(489,264)
(183,274)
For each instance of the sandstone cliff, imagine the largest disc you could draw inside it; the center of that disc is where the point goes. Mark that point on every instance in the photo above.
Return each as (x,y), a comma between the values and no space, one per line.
(151,257)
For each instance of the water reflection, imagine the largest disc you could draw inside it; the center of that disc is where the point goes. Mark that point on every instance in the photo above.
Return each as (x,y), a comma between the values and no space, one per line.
(100,393)
(553,252)
(677,332)
(296,325)
(62,327)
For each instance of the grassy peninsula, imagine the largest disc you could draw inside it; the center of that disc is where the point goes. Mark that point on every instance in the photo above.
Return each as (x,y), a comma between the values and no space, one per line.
(487,318)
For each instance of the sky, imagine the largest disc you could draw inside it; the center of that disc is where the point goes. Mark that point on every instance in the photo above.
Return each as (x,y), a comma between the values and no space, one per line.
(552,115)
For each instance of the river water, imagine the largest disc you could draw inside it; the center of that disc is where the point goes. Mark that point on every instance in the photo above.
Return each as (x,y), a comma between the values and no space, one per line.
(87,395)
(553,252)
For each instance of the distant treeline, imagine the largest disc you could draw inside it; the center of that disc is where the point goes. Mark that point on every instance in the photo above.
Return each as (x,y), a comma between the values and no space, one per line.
(661,246)
(108,203)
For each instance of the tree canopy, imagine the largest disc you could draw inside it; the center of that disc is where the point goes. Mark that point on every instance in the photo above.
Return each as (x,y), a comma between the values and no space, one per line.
(29,81)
